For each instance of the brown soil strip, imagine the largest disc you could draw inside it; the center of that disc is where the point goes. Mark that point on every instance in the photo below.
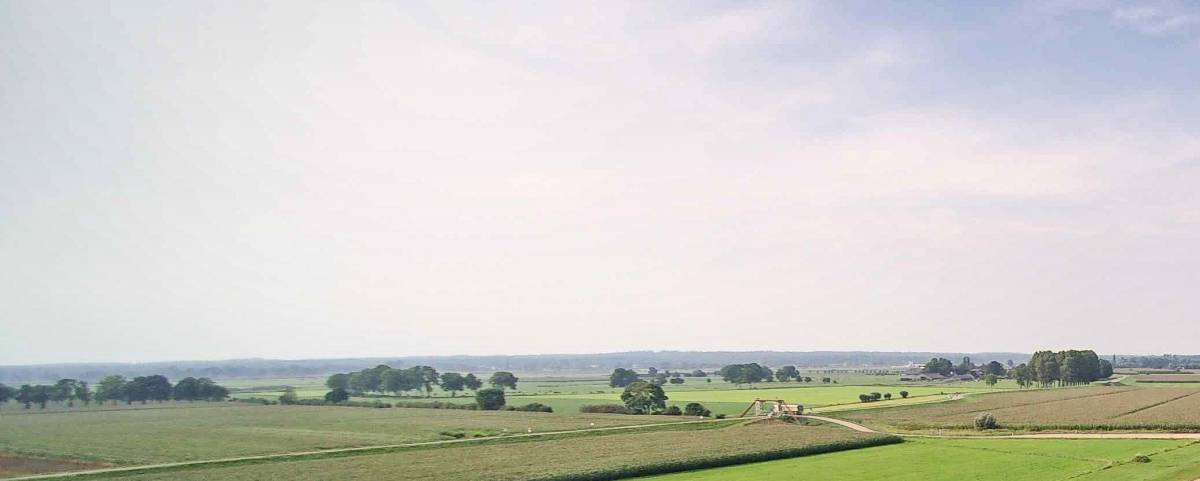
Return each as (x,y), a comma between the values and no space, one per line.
(17,465)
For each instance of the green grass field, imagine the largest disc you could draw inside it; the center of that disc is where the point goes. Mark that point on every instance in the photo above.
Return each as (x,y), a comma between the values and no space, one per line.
(733,401)
(163,435)
(980,460)
(596,386)
(568,394)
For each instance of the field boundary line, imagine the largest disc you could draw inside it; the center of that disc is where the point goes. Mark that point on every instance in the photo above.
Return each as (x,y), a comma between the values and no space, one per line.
(1152,406)
(1037,403)
(846,424)
(358,450)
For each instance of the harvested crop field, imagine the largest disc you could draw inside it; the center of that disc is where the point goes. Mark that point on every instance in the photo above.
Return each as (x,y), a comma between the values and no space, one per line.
(229,430)
(607,457)
(1168,378)
(1102,408)
(12,465)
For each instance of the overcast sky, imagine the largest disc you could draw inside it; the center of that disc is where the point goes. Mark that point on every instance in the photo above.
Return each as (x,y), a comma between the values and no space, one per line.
(201,180)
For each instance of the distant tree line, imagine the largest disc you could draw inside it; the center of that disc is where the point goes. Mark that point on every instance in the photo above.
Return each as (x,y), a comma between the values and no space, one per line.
(734,373)
(1165,362)
(270,368)
(386,379)
(114,389)
(1045,369)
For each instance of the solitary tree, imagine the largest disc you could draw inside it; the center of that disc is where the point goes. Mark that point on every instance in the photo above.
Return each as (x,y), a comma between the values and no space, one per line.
(903,394)
(83,392)
(644,397)
(1023,375)
(622,377)
(939,365)
(787,373)
(503,380)
(158,388)
(696,409)
(41,395)
(401,380)
(211,391)
(1106,369)
(288,396)
(6,393)
(187,389)
(745,373)
(471,382)
(453,382)
(64,390)
(429,378)
(337,395)
(489,399)
(338,381)
(990,379)
(111,388)
(24,395)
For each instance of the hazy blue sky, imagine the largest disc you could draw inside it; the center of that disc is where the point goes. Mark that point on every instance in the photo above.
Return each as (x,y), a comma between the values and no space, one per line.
(190,180)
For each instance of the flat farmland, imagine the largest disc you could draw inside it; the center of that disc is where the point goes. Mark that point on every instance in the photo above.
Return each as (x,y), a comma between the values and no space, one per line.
(1167,378)
(607,457)
(12,465)
(163,435)
(1104,408)
(978,460)
(733,401)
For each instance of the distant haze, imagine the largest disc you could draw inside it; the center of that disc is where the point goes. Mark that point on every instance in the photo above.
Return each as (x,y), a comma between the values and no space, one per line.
(208,180)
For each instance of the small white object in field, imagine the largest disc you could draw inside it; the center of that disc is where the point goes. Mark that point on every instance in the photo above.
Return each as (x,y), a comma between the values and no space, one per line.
(529,430)
(592,424)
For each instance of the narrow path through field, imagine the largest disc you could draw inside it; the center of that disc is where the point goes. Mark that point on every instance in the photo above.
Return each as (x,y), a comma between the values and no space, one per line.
(326,452)
(863,429)
(857,427)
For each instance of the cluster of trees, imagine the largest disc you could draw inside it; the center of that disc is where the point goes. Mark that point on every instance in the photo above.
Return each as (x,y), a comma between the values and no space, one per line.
(1063,368)
(946,367)
(643,397)
(733,373)
(622,377)
(753,372)
(746,373)
(887,396)
(383,378)
(114,389)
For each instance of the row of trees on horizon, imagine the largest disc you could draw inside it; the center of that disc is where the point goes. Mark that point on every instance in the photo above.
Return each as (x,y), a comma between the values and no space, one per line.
(1045,368)
(737,374)
(383,379)
(114,389)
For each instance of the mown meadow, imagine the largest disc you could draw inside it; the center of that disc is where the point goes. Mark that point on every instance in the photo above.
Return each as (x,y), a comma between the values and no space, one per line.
(1086,408)
(979,460)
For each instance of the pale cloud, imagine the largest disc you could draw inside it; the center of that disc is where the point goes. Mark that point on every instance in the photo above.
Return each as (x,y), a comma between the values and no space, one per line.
(1157,21)
(419,175)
